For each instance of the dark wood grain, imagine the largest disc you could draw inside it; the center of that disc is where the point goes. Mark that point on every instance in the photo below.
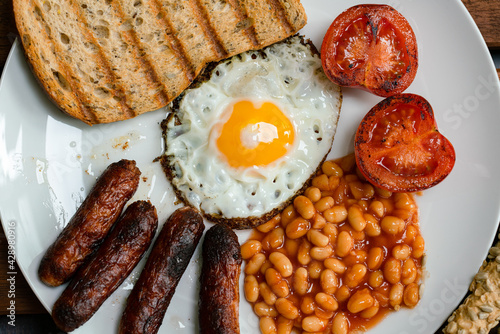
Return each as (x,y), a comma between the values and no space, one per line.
(486,14)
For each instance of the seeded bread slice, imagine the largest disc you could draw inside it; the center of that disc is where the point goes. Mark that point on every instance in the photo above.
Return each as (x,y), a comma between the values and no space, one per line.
(111,60)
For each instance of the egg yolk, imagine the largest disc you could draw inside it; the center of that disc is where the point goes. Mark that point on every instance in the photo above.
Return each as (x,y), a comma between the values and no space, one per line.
(255,136)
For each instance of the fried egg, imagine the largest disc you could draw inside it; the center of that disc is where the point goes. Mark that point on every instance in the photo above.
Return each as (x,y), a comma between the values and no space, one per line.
(240,144)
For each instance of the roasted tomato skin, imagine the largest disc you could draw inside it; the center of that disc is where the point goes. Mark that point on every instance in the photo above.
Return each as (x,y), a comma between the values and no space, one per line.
(398,146)
(371,47)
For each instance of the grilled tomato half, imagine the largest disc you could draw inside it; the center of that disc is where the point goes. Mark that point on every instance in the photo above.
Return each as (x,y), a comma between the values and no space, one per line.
(371,47)
(398,146)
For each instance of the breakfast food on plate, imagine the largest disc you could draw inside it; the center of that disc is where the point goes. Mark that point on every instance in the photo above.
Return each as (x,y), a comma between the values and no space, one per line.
(169,257)
(480,311)
(398,146)
(371,47)
(244,139)
(103,61)
(219,282)
(91,223)
(338,259)
(108,267)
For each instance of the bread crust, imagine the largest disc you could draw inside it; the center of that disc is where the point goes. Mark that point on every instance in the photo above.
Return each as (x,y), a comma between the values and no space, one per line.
(106,61)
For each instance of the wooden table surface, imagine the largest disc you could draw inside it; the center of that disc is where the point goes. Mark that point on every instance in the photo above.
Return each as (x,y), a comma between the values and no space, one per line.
(31,317)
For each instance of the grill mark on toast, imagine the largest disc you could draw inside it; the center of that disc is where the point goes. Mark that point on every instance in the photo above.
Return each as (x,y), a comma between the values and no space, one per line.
(281,15)
(117,89)
(174,42)
(203,19)
(143,58)
(79,97)
(242,14)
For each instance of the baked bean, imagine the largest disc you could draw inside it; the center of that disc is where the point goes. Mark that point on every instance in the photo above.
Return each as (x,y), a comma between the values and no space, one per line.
(372,228)
(336,214)
(360,300)
(308,305)
(324,204)
(315,269)
(270,224)
(297,228)
(301,281)
(361,190)
(340,324)
(342,294)
(318,221)
(317,238)
(267,325)
(377,207)
(396,295)
(262,310)
(323,314)
(267,294)
(303,253)
(292,247)
(375,278)
(333,183)
(383,192)
(304,207)
(392,225)
(371,311)
(313,324)
(266,265)
(282,263)
(331,231)
(355,275)
(401,252)
(284,325)
(408,272)
(313,193)
(392,270)
(251,287)
(388,205)
(288,215)
(336,265)
(321,253)
(375,258)
(411,295)
(411,233)
(331,168)
(418,246)
(403,201)
(329,281)
(250,248)
(340,193)
(275,281)
(345,243)
(286,308)
(274,239)
(326,301)
(403,214)
(355,218)
(253,265)
(321,182)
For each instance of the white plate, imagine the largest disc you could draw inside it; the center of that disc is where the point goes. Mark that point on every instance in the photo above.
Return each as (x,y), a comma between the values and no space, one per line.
(48,162)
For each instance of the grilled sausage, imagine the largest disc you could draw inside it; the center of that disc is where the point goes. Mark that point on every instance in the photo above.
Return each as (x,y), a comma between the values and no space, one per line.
(219,287)
(98,278)
(91,223)
(171,253)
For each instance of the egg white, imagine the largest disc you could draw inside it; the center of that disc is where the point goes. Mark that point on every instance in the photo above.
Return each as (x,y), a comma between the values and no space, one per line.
(288,74)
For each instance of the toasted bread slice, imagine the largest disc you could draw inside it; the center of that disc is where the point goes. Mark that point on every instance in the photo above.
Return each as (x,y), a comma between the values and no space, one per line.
(111,60)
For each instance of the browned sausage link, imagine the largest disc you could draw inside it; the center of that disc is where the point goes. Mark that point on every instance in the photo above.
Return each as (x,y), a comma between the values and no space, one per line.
(171,253)
(96,280)
(219,287)
(91,222)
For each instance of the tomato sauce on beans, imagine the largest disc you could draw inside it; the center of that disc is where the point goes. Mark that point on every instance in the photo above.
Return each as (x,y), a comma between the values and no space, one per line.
(338,259)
